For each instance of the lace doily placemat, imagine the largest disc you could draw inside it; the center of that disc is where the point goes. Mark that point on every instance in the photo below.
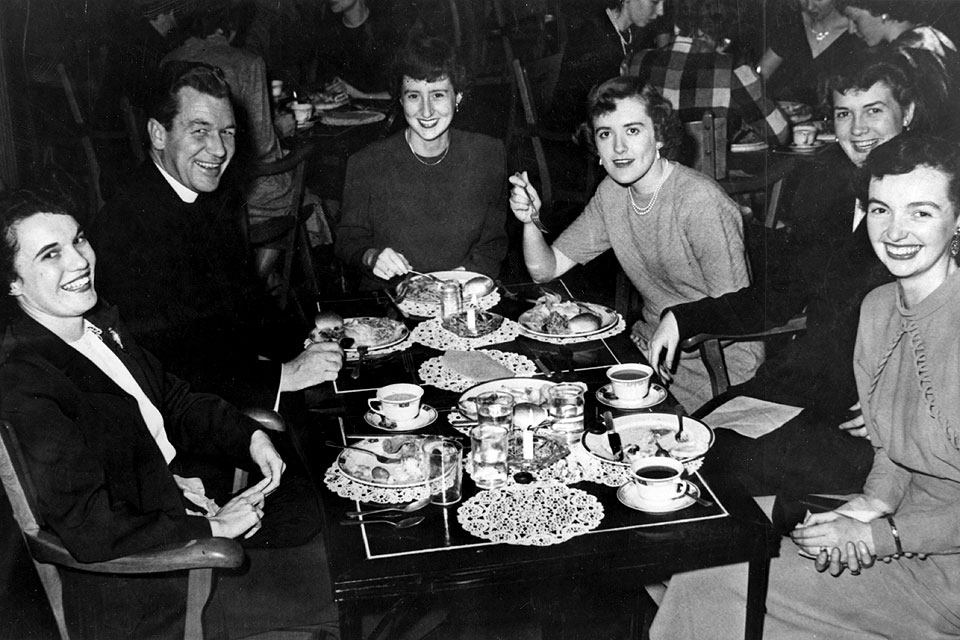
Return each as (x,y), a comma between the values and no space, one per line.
(432,309)
(434,372)
(609,333)
(540,515)
(432,334)
(610,474)
(352,490)
(565,471)
(351,356)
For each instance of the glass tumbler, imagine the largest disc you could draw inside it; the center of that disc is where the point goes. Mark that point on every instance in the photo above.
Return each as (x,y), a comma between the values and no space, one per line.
(495,408)
(565,406)
(443,469)
(488,451)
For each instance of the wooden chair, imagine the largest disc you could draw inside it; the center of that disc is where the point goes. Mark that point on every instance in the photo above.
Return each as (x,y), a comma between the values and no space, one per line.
(198,557)
(535,85)
(708,140)
(711,345)
(287,233)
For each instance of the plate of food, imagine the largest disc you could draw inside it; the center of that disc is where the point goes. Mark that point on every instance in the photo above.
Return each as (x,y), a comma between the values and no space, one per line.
(403,469)
(640,433)
(365,331)
(325,100)
(425,288)
(553,318)
(522,389)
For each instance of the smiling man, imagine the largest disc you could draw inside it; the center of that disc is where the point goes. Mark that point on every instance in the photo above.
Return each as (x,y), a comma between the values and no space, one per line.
(174,260)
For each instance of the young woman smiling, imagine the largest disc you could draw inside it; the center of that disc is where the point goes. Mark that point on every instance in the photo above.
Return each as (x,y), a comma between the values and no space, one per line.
(675,232)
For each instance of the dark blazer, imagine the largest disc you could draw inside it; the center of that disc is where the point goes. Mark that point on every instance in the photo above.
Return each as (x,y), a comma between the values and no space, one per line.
(182,276)
(102,483)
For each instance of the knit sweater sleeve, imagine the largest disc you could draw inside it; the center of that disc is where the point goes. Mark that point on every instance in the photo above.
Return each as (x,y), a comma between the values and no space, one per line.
(355,232)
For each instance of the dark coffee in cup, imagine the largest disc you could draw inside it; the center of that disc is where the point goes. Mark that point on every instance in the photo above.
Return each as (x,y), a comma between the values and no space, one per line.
(657,473)
(627,376)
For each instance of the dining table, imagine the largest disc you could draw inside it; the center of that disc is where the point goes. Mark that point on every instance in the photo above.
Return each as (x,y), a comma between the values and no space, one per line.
(375,563)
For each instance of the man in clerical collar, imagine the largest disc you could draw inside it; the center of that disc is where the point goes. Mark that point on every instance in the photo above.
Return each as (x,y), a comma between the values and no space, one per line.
(174,260)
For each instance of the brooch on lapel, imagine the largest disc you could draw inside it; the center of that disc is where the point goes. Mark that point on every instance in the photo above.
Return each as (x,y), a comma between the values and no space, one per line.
(116,338)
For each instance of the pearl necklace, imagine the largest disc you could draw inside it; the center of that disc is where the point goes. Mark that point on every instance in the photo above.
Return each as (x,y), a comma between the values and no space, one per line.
(642,211)
(624,43)
(421,160)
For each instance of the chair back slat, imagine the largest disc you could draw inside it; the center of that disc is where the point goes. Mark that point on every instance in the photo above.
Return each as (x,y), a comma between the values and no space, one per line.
(16,481)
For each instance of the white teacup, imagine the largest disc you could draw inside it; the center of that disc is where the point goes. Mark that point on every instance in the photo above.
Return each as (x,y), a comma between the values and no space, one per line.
(276,88)
(397,402)
(302,111)
(658,479)
(631,381)
(804,134)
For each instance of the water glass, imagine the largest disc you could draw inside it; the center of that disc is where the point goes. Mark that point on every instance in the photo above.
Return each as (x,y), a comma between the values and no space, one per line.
(443,469)
(489,445)
(495,408)
(565,404)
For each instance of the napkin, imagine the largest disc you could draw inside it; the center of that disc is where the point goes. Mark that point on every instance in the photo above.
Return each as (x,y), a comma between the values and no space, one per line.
(751,417)
(475,365)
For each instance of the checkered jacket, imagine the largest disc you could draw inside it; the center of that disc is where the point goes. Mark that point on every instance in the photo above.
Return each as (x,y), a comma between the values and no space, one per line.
(694,78)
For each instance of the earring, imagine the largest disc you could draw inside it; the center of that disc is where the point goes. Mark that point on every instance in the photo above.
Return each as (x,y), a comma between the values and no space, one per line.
(955,243)
(600,161)
(884,16)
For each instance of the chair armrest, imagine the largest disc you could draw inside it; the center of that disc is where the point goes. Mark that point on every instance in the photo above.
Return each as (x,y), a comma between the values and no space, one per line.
(269,420)
(283,165)
(794,325)
(222,553)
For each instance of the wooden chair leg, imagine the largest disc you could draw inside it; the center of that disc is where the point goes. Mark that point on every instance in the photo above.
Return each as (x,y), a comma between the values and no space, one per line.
(712,354)
(50,579)
(199,584)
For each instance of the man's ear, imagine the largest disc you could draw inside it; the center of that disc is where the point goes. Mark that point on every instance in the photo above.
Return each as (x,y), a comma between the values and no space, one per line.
(15,289)
(156,133)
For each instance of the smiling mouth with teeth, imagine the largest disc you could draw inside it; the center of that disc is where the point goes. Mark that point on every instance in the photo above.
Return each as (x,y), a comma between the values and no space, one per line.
(79,284)
(902,252)
(208,166)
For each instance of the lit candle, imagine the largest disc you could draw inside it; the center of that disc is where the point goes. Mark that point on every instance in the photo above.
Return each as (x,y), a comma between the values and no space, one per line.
(471,320)
(528,444)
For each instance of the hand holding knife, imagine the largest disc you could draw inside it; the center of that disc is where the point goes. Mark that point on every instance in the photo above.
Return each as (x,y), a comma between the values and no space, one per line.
(616,446)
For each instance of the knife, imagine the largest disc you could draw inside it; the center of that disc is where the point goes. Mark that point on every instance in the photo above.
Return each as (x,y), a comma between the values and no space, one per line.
(613,437)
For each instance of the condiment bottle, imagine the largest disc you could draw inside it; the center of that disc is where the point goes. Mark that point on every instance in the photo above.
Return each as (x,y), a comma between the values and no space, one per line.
(451,300)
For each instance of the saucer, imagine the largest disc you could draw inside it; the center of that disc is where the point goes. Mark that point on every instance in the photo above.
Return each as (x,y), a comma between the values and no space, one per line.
(630,499)
(655,396)
(806,148)
(305,125)
(426,416)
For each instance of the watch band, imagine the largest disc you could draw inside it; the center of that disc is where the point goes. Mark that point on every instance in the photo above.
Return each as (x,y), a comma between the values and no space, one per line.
(896,534)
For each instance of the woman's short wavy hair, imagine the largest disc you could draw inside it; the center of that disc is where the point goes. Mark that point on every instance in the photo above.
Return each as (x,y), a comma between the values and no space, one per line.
(603,99)
(904,10)
(428,58)
(15,207)
(908,151)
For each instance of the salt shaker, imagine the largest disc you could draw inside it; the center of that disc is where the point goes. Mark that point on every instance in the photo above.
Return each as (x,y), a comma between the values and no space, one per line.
(451,300)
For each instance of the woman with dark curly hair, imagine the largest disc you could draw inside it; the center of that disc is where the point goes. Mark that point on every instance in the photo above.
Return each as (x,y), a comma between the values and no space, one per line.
(675,232)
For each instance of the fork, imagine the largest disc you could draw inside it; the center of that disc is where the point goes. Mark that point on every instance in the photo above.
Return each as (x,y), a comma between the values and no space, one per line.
(406,523)
(380,458)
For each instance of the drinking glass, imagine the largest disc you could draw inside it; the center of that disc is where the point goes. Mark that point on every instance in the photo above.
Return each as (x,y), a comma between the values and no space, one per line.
(565,405)
(495,408)
(443,469)
(488,445)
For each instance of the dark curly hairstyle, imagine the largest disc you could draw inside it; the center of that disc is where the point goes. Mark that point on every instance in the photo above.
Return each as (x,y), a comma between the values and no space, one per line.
(900,10)
(906,152)
(428,58)
(15,207)
(603,99)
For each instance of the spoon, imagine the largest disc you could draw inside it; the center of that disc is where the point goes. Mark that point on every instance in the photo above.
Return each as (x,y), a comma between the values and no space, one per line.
(410,508)
(696,498)
(380,458)
(477,286)
(406,523)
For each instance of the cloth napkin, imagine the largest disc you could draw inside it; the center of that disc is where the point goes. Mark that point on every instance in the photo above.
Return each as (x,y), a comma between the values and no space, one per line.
(751,417)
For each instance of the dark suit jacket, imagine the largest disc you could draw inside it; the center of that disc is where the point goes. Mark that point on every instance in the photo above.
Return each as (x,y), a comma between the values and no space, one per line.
(102,483)
(183,278)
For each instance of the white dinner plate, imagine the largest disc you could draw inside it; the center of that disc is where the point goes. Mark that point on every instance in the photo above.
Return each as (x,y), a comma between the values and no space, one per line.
(643,430)
(655,396)
(427,415)
(747,147)
(608,320)
(460,276)
(627,494)
(522,389)
(389,332)
(359,466)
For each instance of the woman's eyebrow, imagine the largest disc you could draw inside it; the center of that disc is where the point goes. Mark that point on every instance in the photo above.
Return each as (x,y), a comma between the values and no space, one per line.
(45,248)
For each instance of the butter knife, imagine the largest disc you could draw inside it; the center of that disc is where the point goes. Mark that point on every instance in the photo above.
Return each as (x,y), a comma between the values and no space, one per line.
(616,447)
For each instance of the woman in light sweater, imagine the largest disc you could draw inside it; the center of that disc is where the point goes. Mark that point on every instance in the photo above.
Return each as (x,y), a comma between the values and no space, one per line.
(907,365)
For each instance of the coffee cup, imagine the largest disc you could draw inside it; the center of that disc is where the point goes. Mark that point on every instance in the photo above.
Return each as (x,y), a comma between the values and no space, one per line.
(631,381)
(302,111)
(276,88)
(658,479)
(804,134)
(397,402)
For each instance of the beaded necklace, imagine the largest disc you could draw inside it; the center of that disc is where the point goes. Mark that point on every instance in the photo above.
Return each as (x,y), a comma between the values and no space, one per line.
(642,211)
